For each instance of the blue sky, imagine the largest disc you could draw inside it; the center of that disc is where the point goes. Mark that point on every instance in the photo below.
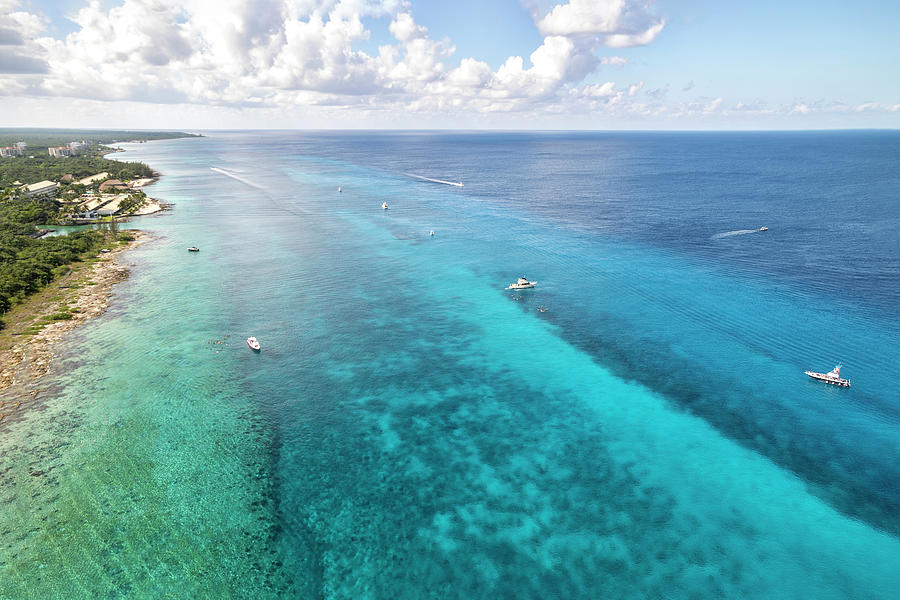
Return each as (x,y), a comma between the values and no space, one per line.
(512,64)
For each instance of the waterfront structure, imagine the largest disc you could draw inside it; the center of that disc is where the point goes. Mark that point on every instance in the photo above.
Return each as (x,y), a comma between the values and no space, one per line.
(112,184)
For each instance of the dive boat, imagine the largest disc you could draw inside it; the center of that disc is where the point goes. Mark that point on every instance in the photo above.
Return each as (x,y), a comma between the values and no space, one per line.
(833,377)
(254,345)
(521,284)
(193,249)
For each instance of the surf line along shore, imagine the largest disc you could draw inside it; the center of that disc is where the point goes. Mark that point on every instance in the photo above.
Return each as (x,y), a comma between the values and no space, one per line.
(26,354)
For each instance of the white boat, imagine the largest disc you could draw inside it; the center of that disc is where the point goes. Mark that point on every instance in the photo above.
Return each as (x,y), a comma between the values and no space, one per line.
(522,284)
(339,189)
(193,249)
(833,377)
(253,343)
(763,228)
(384,205)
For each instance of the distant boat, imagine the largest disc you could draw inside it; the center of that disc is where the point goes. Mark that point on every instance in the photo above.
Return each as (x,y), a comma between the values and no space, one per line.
(384,206)
(253,343)
(432,232)
(522,284)
(763,228)
(193,249)
(339,189)
(833,377)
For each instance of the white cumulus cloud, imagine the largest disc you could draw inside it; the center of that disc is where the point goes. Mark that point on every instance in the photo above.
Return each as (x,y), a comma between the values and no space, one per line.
(20,53)
(615,23)
(266,54)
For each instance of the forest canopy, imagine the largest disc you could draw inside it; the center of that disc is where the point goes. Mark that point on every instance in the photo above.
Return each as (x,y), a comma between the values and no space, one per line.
(28,264)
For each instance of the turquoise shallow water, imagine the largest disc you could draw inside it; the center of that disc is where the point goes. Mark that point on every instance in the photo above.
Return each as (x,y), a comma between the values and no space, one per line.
(412,430)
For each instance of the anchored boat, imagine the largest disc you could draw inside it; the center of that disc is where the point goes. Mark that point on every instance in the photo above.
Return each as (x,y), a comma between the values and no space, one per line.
(521,284)
(833,377)
(254,345)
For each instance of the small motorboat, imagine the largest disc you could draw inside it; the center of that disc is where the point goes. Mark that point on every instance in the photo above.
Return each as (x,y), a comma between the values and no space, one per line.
(763,228)
(339,189)
(384,206)
(522,284)
(833,377)
(253,343)
(431,232)
(193,249)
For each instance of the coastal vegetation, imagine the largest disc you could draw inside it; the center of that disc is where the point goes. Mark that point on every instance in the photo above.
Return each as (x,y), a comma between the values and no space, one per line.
(45,167)
(28,264)
(34,163)
(38,139)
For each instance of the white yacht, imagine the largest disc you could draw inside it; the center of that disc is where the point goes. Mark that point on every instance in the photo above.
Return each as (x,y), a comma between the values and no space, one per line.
(253,343)
(833,377)
(384,206)
(522,284)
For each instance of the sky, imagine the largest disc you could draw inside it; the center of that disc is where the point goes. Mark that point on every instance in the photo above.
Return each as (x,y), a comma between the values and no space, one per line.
(441,64)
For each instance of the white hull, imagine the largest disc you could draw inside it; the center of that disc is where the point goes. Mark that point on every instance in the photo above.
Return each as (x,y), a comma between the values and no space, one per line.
(827,378)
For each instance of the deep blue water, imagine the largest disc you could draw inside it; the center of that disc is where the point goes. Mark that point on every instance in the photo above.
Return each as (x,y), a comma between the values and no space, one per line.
(413,430)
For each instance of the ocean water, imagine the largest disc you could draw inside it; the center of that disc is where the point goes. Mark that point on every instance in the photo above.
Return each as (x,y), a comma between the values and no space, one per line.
(411,429)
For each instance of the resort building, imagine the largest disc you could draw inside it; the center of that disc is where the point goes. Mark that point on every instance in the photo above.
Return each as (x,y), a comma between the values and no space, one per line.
(76,146)
(41,188)
(16,150)
(61,151)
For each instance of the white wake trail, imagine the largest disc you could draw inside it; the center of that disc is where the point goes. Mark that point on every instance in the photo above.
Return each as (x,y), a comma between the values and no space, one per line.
(737,232)
(453,183)
(237,177)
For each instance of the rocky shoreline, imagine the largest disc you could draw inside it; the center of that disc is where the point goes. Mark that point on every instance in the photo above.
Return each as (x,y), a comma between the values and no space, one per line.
(29,359)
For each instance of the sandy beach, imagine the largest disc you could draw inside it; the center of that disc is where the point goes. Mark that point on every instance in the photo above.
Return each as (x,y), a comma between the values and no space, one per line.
(150,207)
(25,357)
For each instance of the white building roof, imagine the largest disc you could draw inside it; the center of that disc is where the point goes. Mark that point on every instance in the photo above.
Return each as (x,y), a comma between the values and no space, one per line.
(40,185)
(93,178)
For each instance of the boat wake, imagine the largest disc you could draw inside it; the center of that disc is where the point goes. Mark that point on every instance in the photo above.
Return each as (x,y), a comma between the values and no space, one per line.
(732,233)
(423,178)
(228,173)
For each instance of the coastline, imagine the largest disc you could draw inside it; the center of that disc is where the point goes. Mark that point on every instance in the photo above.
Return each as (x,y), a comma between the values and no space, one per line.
(85,292)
